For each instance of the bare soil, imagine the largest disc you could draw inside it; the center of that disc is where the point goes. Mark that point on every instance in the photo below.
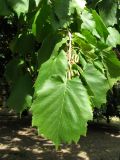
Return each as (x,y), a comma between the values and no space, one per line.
(19,141)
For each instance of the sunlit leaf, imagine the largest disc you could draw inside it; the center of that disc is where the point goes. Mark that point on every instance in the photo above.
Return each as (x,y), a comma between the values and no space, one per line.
(61,110)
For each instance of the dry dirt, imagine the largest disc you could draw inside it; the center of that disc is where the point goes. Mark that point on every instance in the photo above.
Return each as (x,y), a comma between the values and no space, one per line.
(19,141)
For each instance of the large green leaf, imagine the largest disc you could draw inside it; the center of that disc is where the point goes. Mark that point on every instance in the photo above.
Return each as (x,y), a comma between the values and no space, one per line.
(97,83)
(21,95)
(61,110)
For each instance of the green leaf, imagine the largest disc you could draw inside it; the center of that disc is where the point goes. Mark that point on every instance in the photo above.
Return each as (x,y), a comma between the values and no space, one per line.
(108,11)
(97,83)
(14,70)
(61,110)
(100,26)
(88,21)
(50,41)
(113,38)
(61,9)
(112,65)
(60,17)
(55,65)
(21,95)
(26,40)
(85,47)
(89,37)
(40,25)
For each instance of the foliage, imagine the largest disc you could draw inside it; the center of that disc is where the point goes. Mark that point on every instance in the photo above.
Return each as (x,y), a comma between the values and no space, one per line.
(112,106)
(65,51)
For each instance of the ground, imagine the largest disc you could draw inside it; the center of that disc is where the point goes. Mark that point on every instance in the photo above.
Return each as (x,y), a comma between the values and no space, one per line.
(19,141)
